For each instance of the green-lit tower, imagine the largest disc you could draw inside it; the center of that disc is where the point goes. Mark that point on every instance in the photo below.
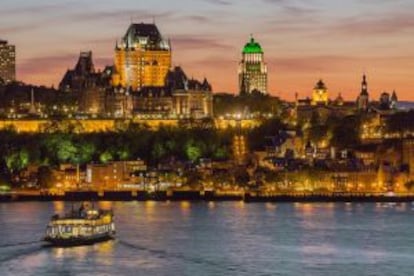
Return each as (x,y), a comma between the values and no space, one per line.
(252,69)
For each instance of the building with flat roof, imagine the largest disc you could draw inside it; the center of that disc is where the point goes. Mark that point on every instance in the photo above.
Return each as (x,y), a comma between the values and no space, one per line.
(7,61)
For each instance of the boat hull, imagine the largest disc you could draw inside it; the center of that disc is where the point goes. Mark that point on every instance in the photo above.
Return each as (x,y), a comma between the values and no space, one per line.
(78,241)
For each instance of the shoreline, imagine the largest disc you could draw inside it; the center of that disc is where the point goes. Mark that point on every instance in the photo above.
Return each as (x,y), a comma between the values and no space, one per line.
(206,196)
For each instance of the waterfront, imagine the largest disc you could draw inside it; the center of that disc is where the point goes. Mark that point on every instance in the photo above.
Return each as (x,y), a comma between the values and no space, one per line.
(222,238)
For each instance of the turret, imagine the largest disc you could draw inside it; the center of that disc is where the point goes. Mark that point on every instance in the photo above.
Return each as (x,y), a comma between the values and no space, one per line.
(363,98)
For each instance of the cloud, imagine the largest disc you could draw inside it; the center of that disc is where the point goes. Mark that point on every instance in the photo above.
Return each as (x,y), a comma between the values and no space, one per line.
(46,64)
(334,63)
(219,2)
(133,15)
(194,42)
(384,24)
(39,8)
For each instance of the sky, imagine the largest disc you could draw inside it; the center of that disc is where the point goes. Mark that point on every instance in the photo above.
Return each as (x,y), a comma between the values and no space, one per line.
(303,40)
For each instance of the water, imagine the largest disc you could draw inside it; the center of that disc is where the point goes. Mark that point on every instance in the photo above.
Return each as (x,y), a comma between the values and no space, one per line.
(229,238)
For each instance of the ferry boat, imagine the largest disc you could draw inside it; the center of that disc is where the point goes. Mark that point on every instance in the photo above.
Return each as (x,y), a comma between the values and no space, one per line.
(80,227)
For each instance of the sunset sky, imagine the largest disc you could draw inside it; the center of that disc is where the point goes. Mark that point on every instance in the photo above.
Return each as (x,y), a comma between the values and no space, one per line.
(303,40)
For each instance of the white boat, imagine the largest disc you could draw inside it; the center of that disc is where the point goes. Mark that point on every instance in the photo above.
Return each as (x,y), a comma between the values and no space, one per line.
(80,227)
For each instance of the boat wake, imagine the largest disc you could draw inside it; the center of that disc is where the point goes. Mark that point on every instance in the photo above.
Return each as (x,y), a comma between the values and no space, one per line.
(19,244)
(192,259)
(15,251)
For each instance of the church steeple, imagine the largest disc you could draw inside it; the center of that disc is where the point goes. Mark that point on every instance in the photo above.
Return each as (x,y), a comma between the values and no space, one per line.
(363,98)
(364,85)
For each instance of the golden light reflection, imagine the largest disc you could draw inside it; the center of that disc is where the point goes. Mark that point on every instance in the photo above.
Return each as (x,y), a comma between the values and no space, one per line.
(305,208)
(105,247)
(78,252)
(211,205)
(105,205)
(59,206)
(150,207)
(240,205)
(185,207)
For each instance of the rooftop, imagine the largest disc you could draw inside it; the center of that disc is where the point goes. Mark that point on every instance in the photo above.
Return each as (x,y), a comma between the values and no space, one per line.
(146,35)
(320,85)
(252,47)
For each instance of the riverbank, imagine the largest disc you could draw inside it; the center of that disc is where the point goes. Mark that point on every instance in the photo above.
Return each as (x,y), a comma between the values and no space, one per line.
(203,196)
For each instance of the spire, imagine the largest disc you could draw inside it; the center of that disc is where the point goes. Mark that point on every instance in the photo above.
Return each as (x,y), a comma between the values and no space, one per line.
(394,96)
(364,85)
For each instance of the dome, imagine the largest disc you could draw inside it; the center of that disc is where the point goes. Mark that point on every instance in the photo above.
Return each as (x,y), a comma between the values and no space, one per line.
(252,47)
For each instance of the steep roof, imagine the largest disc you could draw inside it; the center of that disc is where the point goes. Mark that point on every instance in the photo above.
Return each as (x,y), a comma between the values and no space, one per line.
(146,35)
(177,80)
(143,30)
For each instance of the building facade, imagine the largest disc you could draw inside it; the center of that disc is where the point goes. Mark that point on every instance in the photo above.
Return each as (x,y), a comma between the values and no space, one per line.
(7,62)
(320,94)
(118,103)
(180,98)
(142,58)
(87,84)
(114,175)
(252,69)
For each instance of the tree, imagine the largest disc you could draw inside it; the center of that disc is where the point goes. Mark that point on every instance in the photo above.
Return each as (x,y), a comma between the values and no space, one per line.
(193,151)
(105,157)
(17,160)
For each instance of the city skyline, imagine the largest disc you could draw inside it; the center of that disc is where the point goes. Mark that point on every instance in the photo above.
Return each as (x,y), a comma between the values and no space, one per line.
(303,41)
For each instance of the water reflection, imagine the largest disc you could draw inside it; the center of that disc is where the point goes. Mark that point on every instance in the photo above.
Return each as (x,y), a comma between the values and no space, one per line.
(185,208)
(237,238)
(105,205)
(211,205)
(59,207)
(270,206)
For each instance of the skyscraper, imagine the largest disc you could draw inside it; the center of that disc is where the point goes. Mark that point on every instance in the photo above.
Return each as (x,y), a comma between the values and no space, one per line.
(7,61)
(142,58)
(252,69)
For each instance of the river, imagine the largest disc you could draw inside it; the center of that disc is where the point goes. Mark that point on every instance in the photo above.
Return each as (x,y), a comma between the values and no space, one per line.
(221,238)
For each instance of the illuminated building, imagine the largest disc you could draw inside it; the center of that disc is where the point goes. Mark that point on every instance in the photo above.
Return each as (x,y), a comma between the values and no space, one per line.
(118,103)
(239,149)
(81,76)
(408,156)
(363,98)
(114,175)
(252,69)
(321,106)
(88,84)
(320,94)
(7,62)
(142,58)
(180,98)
